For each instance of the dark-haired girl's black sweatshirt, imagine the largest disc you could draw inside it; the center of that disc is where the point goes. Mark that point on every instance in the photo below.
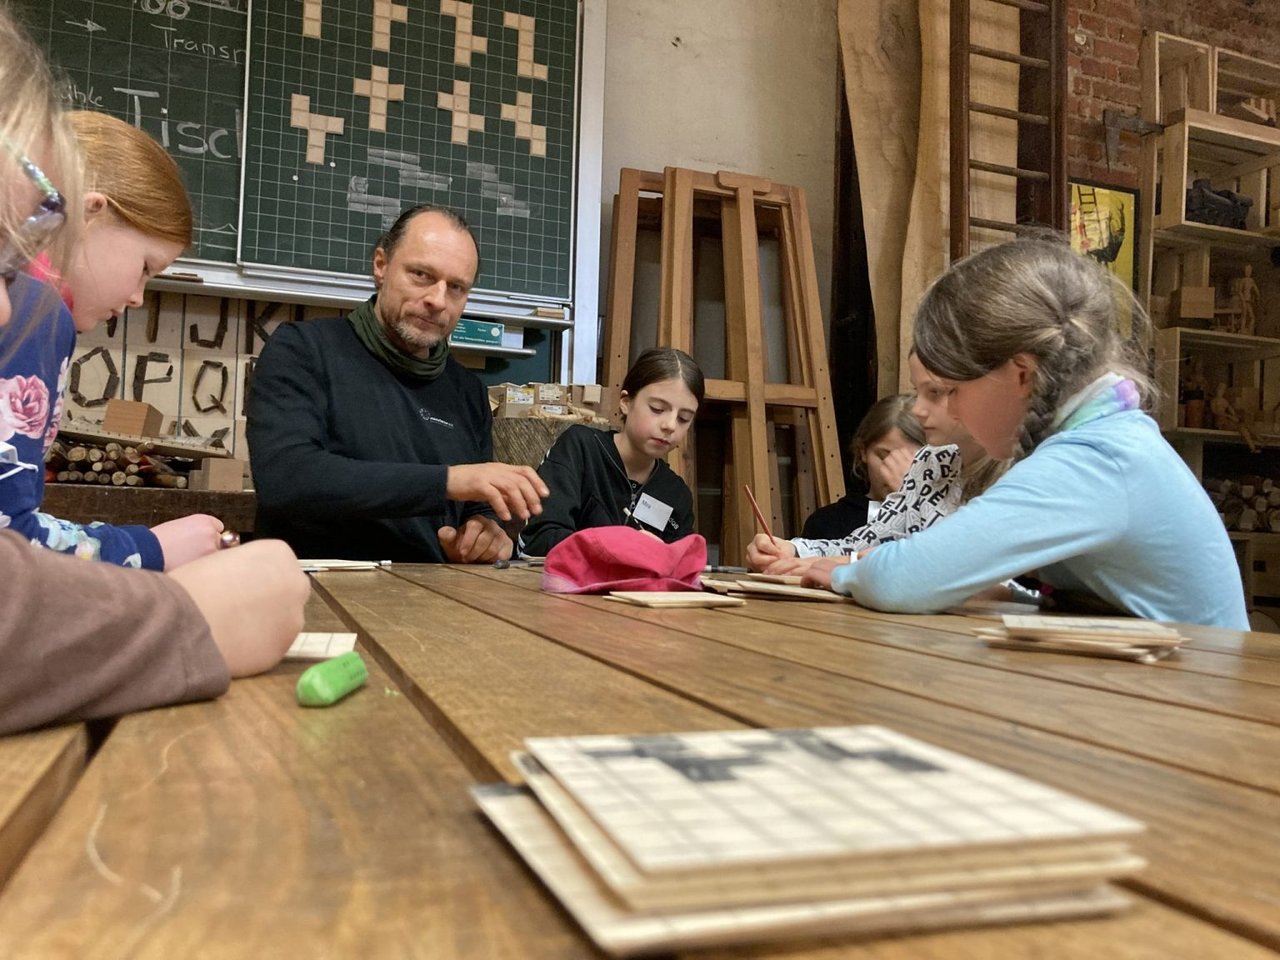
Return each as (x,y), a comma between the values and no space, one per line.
(590,488)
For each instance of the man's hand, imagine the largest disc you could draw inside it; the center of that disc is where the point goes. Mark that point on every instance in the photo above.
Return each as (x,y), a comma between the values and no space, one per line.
(252,597)
(509,489)
(479,541)
(764,550)
(188,538)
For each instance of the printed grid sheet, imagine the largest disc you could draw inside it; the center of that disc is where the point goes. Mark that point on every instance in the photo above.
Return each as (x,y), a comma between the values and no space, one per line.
(739,885)
(700,800)
(533,834)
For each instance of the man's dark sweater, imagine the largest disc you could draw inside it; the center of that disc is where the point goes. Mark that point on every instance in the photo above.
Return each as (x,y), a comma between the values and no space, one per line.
(350,458)
(590,488)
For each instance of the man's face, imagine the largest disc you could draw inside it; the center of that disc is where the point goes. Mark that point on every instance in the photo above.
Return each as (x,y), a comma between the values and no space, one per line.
(423,285)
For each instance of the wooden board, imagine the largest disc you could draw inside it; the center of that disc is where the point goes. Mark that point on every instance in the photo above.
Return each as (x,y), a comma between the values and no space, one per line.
(37,772)
(249,827)
(471,676)
(1200,819)
(880,50)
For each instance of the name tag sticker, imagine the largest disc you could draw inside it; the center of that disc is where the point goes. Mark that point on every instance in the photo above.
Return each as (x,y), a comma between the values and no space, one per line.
(651,512)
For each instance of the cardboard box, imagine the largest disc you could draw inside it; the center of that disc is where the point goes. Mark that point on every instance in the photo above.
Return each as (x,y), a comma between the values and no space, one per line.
(1191,302)
(218,473)
(551,393)
(586,394)
(484,333)
(133,418)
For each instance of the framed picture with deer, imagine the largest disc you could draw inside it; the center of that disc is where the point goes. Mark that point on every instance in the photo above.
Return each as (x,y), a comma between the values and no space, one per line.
(1104,225)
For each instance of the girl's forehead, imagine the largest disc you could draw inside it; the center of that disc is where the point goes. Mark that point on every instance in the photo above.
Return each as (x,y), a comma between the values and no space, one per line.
(674,390)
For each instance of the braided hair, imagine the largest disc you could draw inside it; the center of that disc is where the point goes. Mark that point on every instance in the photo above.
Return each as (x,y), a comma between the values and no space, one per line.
(1033,296)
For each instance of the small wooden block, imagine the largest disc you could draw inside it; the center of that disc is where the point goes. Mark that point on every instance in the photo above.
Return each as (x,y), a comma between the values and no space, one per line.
(675,598)
(218,474)
(132,418)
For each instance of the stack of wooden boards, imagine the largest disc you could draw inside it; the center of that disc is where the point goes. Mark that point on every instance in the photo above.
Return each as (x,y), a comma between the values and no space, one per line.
(681,840)
(1120,637)
(731,590)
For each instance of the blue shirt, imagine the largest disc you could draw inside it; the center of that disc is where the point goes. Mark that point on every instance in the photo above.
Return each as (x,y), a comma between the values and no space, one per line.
(1108,508)
(35,354)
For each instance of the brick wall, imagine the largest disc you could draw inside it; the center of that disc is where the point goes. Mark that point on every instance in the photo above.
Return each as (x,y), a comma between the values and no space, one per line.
(1103,37)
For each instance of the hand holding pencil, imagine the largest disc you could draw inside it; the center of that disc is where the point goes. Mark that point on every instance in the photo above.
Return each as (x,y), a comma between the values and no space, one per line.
(765,548)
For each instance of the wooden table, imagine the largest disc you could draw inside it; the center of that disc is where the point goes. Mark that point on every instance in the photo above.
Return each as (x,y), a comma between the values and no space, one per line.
(251,828)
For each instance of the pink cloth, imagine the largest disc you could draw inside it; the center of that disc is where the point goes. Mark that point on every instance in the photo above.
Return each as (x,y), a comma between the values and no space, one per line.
(601,559)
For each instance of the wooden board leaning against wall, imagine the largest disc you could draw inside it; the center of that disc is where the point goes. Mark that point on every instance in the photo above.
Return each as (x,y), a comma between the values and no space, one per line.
(896,74)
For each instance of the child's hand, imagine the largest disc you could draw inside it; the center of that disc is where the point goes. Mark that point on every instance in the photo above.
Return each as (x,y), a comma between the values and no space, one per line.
(886,475)
(252,598)
(764,550)
(818,573)
(791,566)
(188,538)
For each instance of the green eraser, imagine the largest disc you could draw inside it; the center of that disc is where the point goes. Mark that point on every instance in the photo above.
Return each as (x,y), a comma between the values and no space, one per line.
(326,683)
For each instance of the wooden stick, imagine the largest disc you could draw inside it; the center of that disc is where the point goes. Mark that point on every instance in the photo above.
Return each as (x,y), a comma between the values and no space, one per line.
(755,508)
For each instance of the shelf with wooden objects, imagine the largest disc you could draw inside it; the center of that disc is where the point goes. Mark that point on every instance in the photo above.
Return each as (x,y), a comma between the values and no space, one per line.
(1213,288)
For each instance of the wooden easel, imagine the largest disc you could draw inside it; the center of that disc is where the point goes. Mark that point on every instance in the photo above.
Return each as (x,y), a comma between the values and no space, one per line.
(745,206)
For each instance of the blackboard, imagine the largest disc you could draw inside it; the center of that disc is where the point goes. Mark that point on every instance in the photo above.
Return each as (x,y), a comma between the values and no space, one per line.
(175,68)
(480,117)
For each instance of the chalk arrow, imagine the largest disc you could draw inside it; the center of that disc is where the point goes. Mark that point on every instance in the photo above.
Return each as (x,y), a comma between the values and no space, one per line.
(88,26)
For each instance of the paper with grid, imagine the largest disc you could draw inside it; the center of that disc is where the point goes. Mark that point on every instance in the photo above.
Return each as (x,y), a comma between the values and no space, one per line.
(806,878)
(622,932)
(684,840)
(697,800)
(320,646)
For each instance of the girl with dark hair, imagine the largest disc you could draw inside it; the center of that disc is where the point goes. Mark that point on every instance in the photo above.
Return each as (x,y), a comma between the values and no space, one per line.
(617,478)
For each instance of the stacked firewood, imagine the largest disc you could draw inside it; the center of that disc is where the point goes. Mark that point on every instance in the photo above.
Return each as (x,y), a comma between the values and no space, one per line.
(114,464)
(1247,504)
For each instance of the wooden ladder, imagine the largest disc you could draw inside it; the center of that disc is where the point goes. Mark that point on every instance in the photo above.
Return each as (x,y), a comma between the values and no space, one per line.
(1040,172)
(743,206)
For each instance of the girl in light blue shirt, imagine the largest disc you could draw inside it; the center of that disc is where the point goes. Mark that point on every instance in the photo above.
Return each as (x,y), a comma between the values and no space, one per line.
(1026,338)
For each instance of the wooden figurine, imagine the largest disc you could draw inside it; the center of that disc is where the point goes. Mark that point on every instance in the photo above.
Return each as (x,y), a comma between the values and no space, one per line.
(1244,291)
(1224,416)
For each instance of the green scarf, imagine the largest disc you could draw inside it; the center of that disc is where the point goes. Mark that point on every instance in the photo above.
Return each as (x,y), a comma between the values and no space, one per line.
(364,320)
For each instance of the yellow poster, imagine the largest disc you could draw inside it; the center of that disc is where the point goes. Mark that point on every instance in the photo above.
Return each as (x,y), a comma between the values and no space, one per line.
(1104,226)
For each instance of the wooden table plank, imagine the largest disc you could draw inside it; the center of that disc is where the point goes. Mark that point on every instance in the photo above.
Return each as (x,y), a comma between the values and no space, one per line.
(37,772)
(1231,653)
(1218,652)
(249,827)
(1167,681)
(1207,848)
(1144,933)
(1239,750)
(472,676)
